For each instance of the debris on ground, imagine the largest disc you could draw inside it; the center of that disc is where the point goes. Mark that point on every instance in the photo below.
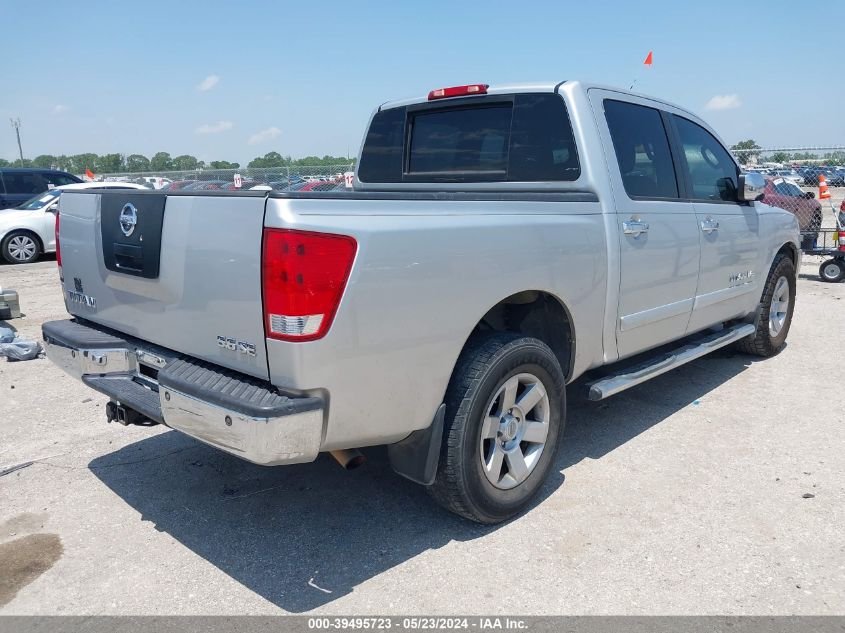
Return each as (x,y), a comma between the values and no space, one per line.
(311,583)
(20,349)
(11,469)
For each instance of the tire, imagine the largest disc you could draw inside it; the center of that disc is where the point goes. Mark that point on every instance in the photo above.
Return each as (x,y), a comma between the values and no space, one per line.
(20,247)
(832,270)
(775,318)
(478,401)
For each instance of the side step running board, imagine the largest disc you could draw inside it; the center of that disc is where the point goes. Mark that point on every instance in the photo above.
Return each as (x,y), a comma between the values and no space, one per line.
(610,385)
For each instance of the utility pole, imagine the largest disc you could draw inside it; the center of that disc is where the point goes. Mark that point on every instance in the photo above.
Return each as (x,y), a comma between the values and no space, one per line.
(16,123)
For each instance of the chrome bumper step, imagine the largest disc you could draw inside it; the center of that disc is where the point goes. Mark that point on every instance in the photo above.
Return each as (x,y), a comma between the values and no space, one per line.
(239,414)
(129,393)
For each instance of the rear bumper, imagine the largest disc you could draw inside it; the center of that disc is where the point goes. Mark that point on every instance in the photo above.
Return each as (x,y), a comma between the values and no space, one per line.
(236,413)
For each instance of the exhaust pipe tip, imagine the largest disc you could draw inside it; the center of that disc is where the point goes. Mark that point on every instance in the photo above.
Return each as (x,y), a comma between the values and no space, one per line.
(349,458)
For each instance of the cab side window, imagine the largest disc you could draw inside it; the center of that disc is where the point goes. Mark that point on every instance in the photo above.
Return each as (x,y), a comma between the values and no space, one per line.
(709,168)
(642,150)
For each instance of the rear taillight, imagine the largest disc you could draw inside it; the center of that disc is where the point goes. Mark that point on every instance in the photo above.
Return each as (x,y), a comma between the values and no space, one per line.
(458,91)
(304,275)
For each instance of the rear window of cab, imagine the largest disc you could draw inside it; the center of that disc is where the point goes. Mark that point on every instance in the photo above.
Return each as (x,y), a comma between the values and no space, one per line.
(511,138)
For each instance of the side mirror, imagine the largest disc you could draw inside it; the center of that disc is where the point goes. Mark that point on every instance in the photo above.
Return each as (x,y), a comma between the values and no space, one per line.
(809,195)
(53,207)
(751,187)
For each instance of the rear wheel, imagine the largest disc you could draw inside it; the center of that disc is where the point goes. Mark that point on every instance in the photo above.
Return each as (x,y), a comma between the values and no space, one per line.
(20,247)
(833,270)
(778,303)
(505,409)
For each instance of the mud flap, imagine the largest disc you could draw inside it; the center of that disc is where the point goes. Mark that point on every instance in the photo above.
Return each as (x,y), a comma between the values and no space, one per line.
(416,456)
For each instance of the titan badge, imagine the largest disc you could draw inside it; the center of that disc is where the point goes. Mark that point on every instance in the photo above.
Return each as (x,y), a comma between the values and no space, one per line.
(741,277)
(79,297)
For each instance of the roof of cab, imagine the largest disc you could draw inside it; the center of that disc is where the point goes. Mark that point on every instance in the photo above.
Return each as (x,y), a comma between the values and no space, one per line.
(537,86)
(542,86)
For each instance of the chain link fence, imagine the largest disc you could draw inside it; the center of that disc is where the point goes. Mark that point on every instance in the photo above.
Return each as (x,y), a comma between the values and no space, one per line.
(794,161)
(757,158)
(288,178)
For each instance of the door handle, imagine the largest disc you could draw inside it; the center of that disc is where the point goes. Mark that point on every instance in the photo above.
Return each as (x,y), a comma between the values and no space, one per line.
(708,225)
(634,227)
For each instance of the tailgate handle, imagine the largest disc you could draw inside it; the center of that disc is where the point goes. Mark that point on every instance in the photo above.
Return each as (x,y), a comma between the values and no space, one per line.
(129,257)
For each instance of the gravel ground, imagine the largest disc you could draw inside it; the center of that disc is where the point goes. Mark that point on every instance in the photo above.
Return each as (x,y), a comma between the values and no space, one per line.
(716,489)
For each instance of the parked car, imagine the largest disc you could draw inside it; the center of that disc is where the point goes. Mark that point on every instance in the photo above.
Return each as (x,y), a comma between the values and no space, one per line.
(790,175)
(499,244)
(18,185)
(29,230)
(318,185)
(835,177)
(785,194)
(177,185)
(205,185)
(156,182)
(245,184)
(811,177)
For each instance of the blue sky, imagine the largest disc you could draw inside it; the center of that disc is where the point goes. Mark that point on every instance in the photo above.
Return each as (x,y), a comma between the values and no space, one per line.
(302,77)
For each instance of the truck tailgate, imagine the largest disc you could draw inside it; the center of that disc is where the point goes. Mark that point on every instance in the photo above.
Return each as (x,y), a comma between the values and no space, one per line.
(186,275)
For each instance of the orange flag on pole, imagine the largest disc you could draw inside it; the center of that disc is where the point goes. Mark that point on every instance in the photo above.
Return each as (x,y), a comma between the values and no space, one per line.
(649,60)
(89,173)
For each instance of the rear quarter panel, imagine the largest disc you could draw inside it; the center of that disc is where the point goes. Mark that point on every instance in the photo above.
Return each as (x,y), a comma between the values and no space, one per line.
(425,274)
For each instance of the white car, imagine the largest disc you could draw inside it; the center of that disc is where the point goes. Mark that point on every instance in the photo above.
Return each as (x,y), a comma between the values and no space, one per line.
(29,230)
(790,175)
(157,182)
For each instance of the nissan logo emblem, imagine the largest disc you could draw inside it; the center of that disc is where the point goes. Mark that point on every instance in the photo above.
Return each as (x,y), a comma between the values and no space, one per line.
(128,219)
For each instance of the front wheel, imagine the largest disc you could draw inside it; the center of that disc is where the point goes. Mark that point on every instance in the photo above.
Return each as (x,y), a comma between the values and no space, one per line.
(505,410)
(833,270)
(778,302)
(20,247)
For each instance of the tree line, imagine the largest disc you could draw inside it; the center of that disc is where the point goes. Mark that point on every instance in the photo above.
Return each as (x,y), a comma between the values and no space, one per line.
(159,162)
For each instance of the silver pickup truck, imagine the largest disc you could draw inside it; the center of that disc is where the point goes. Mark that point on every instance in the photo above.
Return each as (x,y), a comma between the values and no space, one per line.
(499,243)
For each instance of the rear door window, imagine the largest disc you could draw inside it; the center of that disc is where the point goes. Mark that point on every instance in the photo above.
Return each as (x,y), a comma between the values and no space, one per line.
(642,150)
(514,138)
(712,173)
